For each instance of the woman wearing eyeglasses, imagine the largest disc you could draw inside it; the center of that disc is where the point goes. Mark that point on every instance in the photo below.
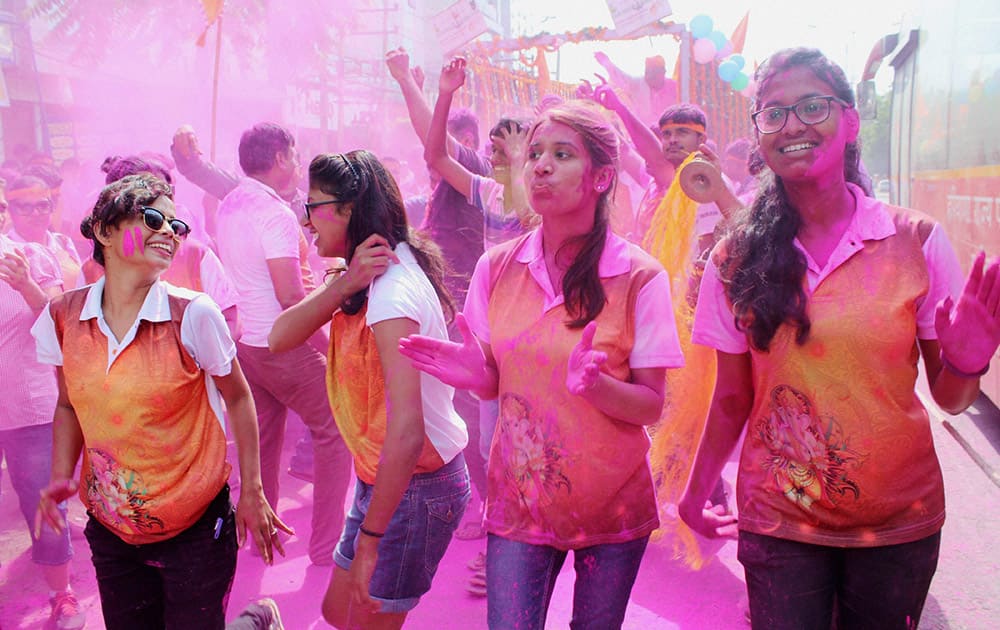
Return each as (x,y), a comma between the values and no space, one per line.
(142,370)
(401,427)
(31,208)
(819,303)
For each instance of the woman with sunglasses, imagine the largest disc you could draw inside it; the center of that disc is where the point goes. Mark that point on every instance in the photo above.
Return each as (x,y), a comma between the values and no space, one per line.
(142,369)
(31,208)
(401,427)
(819,303)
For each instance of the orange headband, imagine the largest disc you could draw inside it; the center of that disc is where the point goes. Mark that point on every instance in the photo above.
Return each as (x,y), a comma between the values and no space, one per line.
(692,126)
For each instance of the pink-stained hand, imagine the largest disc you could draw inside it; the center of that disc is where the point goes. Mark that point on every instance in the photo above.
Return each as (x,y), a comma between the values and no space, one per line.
(185,142)
(418,76)
(707,520)
(606,95)
(360,574)
(48,505)
(255,517)
(398,61)
(969,332)
(370,260)
(513,141)
(584,366)
(15,270)
(452,75)
(585,90)
(461,365)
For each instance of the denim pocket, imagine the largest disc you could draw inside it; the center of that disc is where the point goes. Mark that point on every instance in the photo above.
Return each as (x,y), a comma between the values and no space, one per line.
(443,516)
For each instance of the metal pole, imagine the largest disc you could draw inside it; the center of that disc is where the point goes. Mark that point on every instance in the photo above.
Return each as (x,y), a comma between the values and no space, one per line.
(215,84)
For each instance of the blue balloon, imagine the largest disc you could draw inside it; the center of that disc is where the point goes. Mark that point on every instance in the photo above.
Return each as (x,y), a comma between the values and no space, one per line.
(728,71)
(701,26)
(718,39)
(738,60)
(740,82)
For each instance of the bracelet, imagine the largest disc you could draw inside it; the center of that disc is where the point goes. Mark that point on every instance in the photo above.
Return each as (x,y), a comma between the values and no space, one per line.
(370,533)
(957,372)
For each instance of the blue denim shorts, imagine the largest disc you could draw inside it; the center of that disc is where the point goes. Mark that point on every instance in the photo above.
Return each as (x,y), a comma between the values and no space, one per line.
(416,538)
(28,452)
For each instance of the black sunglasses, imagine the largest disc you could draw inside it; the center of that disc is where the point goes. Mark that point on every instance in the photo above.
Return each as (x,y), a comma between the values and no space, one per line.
(154,220)
(316,204)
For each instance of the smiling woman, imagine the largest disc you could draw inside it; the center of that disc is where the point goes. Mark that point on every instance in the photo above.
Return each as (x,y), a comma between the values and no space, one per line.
(134,356)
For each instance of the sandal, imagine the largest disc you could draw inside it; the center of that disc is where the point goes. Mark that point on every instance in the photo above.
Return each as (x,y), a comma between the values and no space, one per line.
(471,530)
(477,584)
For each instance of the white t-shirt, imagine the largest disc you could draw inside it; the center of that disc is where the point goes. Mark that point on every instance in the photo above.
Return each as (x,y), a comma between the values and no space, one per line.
(405,292)
(255,225)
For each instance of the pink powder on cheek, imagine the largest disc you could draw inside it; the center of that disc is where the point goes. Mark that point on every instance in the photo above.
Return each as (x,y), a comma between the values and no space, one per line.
(128,245)
(139,244)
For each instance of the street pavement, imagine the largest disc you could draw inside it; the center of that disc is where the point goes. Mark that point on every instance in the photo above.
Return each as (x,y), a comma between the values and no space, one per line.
(965,593)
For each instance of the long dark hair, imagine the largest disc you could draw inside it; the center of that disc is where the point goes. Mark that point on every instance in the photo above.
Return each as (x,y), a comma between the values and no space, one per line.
(582,289)
(359,177)
(763,271)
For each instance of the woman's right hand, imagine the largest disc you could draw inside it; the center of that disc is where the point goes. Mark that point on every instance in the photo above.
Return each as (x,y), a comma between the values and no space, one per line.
(461,365)
(48,505)
(370,260)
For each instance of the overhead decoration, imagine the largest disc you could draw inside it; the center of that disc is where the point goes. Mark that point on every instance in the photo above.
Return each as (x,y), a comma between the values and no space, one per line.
(712,45)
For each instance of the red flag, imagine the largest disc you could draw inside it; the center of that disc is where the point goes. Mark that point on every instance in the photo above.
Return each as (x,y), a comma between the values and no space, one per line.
(739,36)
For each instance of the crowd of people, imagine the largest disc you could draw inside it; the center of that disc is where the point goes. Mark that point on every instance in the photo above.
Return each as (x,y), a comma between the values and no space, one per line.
(526,356)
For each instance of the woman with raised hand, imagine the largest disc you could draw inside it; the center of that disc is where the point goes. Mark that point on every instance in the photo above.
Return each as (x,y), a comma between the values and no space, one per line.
(412,483)
(572,328)
(819,303)
(143,368)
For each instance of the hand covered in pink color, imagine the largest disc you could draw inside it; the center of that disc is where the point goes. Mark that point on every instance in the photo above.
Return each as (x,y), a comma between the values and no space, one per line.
(370,260)
(452,75)
(398,61)
(461,365)
(606,95)
(584,365)
(969,332)
(360,574)
(707,520)
(255,516)
(15,270)
(418,76)
(185,142)
(48,505)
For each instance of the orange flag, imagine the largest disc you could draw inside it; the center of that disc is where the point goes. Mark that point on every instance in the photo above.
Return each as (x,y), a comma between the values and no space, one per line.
(739,36)
(213,9)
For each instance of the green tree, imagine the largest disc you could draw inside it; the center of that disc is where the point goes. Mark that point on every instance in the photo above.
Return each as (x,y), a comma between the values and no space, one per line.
(875,138)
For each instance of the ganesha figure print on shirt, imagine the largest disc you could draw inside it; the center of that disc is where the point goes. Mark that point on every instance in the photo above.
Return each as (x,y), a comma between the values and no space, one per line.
(534,455)
(809,457)
(117,495)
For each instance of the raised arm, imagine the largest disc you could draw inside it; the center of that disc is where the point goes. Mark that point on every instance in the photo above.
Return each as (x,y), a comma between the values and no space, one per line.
(616,75)
(202,173)
(646,144)
(436,143)
(398,62)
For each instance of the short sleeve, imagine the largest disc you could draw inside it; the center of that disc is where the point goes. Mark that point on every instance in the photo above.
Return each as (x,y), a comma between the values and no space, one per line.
(477,300)
(656,342)
(205,335)
(280,234)
(946,279)
(394,295)
(215,282)
(47,346)
(714,324)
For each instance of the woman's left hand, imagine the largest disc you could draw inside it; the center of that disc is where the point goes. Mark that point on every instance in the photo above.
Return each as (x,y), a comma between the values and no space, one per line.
(584,366)
(254,515)
(360,574)
(969,332)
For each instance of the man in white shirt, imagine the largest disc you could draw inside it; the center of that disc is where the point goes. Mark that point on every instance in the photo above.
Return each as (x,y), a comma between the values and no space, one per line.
(265,252)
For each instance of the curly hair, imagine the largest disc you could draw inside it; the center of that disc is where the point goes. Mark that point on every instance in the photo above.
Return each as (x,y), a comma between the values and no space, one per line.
(359,177)
(584,294)
(116,167)
(117,202)
(763,271)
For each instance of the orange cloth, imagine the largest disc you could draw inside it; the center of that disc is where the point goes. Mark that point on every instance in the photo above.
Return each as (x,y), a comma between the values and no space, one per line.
(154,452)
(356,387)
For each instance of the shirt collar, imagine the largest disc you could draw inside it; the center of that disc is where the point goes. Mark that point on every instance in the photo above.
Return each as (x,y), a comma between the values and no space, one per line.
(614,259)
(871,221)
(155,308)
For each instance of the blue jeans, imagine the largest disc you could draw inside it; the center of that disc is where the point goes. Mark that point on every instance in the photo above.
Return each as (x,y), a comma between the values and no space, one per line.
(800,586)
(179,583)
(416,538)
(520,578)
(28,451)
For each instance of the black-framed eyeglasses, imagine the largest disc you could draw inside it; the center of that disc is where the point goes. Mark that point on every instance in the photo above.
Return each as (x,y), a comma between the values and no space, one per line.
(154,220)
(26,209)
(811,111)
(310,205)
